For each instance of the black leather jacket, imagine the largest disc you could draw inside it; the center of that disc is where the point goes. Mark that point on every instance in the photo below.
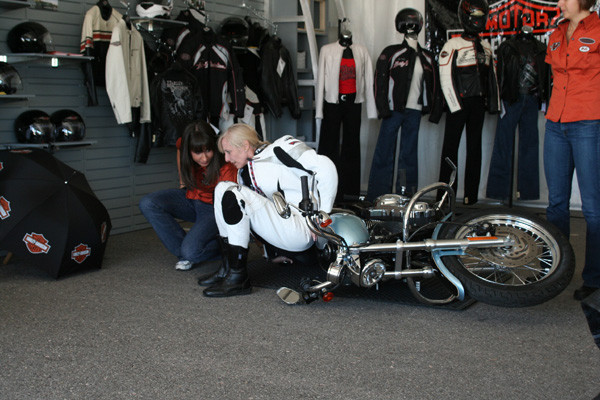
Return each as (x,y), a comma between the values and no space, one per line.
(278,88)
(176,101)
(397,63)
(213,63)
(510,67)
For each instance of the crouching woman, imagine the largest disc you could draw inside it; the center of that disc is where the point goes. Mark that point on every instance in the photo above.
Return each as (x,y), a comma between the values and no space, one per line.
(248,206)
(201,167)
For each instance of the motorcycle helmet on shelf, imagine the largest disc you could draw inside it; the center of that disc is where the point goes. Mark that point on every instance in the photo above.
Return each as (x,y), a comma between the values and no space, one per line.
(473,15)
(153,9)
(68,126)
(29,37)
(34,126)
(409,20)
(10,79)
(235,30)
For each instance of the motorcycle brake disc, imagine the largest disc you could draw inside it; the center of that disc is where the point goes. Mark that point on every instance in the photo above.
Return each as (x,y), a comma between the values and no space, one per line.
(522,252)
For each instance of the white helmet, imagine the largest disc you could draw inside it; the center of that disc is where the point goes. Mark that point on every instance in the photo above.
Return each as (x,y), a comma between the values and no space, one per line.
(149,9)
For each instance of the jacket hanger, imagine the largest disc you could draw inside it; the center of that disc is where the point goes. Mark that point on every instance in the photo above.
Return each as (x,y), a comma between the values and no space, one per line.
(126,15)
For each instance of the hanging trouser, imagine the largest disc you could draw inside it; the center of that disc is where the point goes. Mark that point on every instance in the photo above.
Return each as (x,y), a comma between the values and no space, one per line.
(382,167)
(471,117)
(347,115)
(524,114)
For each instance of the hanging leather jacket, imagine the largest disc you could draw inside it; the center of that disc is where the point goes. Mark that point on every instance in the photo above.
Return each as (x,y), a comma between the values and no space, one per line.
(511,54)
(176,101)
(278,81)
(212,61)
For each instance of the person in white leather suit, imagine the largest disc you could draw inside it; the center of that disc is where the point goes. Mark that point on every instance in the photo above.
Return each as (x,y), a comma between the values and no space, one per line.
(263,169)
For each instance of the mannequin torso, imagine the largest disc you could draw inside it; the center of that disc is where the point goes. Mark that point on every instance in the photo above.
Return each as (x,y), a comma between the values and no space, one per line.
(414,92)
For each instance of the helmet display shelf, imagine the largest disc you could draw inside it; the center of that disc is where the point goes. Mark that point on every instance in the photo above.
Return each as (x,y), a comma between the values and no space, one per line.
(14,4)
(158,21)
(48,59)
(45,60)
(52,60)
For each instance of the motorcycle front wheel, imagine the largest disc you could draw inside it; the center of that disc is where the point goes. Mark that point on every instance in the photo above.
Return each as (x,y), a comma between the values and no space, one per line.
(536,268)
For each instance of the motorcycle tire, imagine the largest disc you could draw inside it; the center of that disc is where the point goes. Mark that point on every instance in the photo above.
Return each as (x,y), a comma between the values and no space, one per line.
(538,267)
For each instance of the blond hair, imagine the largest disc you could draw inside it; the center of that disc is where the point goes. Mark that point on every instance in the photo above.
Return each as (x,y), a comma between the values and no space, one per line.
(237,134)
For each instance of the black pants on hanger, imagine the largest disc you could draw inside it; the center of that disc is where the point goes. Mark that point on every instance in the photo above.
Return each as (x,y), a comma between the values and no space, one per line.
(470,116)
(346,115)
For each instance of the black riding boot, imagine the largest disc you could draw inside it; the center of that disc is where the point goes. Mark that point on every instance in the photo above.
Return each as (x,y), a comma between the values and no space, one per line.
(216,277)
(237,281)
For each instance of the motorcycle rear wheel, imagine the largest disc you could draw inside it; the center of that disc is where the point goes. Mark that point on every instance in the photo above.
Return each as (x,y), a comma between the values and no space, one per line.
(534,270)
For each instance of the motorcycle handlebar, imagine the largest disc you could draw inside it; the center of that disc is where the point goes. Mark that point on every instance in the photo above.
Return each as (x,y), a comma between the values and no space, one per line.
(306,203)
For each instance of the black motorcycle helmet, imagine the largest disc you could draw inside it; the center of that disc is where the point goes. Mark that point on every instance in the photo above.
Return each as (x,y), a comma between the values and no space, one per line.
(68,126)
(29,37)
(473,15)
(34,126)
(409,20)
(10,79)
(235,30)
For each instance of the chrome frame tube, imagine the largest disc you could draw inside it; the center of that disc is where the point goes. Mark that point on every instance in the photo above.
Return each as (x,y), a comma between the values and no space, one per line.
(433,244)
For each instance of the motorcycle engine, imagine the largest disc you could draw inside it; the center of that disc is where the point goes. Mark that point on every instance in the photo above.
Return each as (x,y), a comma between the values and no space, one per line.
(387,214)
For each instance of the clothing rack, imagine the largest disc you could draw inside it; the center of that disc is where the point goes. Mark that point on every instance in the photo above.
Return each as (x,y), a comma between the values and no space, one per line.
(260,16)
(159,42)
(127,6)
(126,17)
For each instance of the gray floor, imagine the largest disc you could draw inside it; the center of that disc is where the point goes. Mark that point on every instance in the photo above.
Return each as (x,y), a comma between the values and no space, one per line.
(138,329)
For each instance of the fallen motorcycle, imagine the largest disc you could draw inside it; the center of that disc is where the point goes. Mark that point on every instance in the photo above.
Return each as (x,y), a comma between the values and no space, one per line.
(499,256)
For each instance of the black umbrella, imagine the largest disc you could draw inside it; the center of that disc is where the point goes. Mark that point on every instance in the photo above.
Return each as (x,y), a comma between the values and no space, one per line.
(49,213)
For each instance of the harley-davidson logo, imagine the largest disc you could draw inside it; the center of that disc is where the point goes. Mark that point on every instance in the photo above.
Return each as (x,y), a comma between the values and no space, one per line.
(4,208)
(81,252)
(36,243)
(507,16)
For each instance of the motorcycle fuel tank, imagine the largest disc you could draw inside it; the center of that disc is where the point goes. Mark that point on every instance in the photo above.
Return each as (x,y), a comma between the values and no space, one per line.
(350,227)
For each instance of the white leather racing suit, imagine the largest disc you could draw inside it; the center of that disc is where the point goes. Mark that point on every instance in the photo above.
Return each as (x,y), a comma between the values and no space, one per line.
(249,205)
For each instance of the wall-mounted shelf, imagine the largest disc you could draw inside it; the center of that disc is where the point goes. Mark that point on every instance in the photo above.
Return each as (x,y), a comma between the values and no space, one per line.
(52,60)
(13,4)
(50,146)
(16,97)
(158,21)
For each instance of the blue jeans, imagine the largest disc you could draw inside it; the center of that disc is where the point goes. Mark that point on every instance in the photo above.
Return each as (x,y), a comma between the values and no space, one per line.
(382,167)
(523,113)
(569,147)
(163,207)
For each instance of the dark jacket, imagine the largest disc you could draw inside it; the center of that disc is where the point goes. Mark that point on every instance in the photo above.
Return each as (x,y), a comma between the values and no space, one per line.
(511,54)
(278,84)
(212,61)
(176,101)
(397,63)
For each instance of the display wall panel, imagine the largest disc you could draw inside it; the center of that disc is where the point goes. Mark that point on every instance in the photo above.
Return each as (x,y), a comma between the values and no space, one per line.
(108,164)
